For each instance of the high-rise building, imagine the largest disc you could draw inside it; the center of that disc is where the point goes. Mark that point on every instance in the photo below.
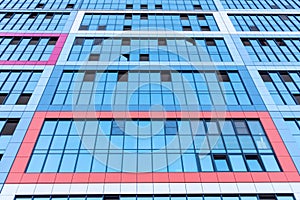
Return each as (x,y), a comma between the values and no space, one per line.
(150,100)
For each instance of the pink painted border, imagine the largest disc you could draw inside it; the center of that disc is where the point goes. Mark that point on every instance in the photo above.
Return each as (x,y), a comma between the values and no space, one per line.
(55,53)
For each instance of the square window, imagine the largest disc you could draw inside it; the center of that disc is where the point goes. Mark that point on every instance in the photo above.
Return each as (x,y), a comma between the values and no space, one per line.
(253,28)
(144,6)
(34,41)
(70,5)
(52,41)
(128,16)
(263,42)
(101,28)
(126,28)
(162,41)
(158,6)
(2,98)
(297,98)
(223,76)
(79,41)
(280,42)
(23,99)
(49,16)
(210,42)
(265,77)
(144,57)
(89,76)
(197,7)
(9,127)
(184,17)
(241,127)
(286,77)
(205,28)
(129,6)
(94,57)
(246,42)
(201,17)
(40,5)
(83,27)
(186,28)
(126,41)
(123,76)
(144,16)
(165,76)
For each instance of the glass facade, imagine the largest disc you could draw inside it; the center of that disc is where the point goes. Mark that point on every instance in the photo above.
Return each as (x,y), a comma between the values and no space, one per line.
(149,100)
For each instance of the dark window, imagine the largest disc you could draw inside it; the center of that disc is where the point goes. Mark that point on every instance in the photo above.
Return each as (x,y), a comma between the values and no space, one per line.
(186,28)
(2,98)
(265,77)
(280,42)
(127,28)
(78,41)
(94,57)
(49,16)
(184,17)
(128,16)
(126,56)
(205,28)
(158,6)
(253,28)
(210,42)
(110,197)
(162,41)
(34,41)
(15,41)
(297,98)
(267,197)
(253,163)
(221,163)
(23,99)
(144,6)
(129,6)
(144,57)
(192,41)
(97,41)
(274,7)
(70,5)
(89,76)
(32,16)
(289,7)
(8,15)
(263,42)
(83,27)
(201,17)
(1,155)
(284,17)
(246,42)
(165,76)
(101,28)
(286,77)
(40,5)
(9,127)
(126,41)
(52,41)
(123,76)
(223,77)
(144,16)
(197,7)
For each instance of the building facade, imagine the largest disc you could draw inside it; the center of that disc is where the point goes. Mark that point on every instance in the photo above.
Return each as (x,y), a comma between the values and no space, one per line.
(140,99)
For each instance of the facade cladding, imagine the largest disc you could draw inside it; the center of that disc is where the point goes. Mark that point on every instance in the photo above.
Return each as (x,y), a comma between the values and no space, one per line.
(149,100)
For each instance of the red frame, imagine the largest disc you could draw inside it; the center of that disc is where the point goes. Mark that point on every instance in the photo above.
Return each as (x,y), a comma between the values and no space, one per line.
(55,53)
(17,173)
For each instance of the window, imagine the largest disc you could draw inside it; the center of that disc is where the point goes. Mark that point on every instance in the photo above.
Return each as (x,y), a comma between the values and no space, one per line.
(184,17)
(89,76)
(253,28)
(127,28)
(144,57)
(32,16)
(83,27)
(297,98)
(144,6)
(123,76)
(253,163)
(144,16)
(210,42)
(1,155)
(223,77)
(261,4)
(70,6)
(2,98)
(23,99)
(166,76)
(101,28)
(221,163)
(158,6)
(186,28)
(197,7)
(49,15)
(126,41)
(8,15)
(171,127)
(94,57)
(205,28)
(9,127)
(129,6)
(128,16)
(162,41)
(40,5)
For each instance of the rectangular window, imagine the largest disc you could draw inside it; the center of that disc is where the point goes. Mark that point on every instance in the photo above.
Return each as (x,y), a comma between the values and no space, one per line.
(123,76)
(261,4)
(23,99)
(144,57)
(9,127)
(89,76)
